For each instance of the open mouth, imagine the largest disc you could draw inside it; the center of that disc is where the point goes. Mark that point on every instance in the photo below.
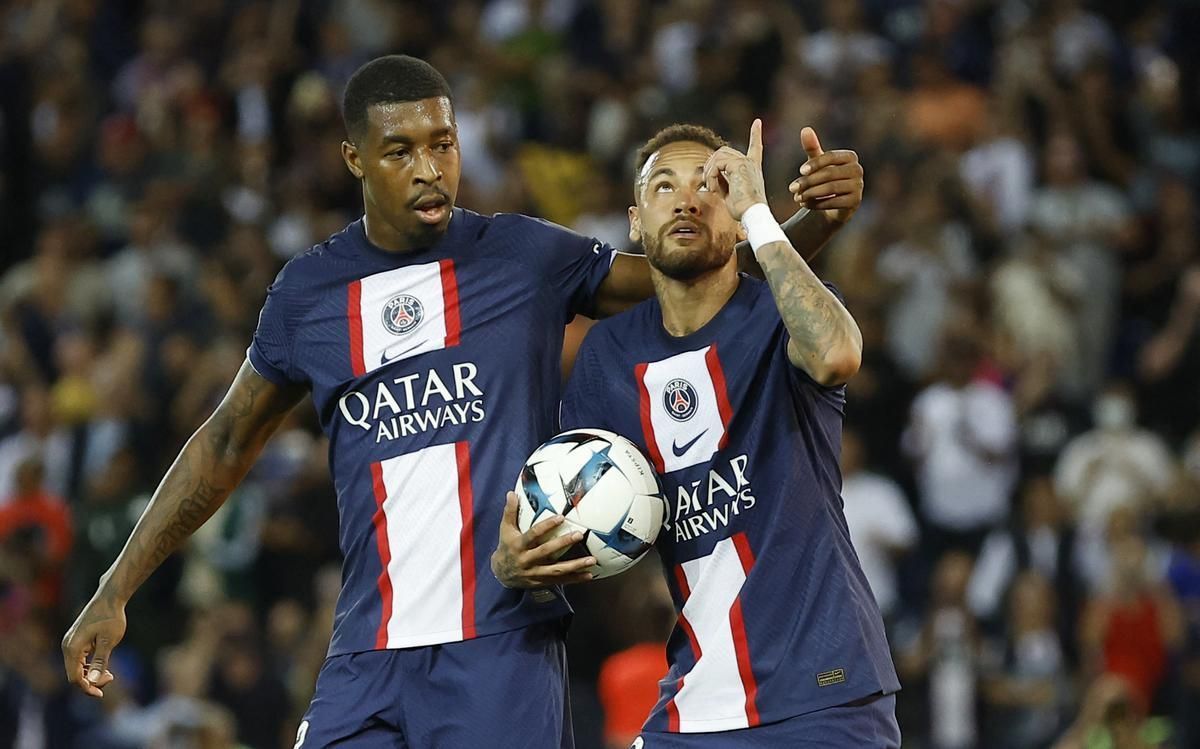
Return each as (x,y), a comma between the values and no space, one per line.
(432,209)
(684,230)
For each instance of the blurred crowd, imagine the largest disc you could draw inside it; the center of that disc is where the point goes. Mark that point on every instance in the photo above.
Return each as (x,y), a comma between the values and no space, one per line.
(1022,453)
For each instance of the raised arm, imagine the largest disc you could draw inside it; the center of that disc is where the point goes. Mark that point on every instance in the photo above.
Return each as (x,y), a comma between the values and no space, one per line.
(824,339)
(828,191)
(210,466)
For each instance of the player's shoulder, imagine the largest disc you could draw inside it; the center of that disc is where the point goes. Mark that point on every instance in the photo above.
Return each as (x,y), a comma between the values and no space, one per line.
(532,232)
(521,222)
(313,265)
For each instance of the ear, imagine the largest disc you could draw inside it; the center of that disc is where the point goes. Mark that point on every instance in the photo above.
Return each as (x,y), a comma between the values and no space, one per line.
(350,156)
(635,225)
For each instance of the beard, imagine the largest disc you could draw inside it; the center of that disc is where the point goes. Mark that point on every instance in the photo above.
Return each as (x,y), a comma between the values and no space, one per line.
(689,263)
(424,235)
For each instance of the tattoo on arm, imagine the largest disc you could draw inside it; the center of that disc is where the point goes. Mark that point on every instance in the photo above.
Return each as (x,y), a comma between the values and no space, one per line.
(818,324)
(189,515)
(210,466)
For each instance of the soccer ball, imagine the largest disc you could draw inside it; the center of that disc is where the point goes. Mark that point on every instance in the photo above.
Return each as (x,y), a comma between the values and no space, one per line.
(604,487)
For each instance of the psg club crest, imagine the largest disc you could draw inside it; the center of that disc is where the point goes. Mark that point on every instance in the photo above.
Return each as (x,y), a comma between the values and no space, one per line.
(402,313)
(679,398)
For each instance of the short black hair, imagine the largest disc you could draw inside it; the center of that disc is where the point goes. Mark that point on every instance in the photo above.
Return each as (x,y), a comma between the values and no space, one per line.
(677,133)
(386,80)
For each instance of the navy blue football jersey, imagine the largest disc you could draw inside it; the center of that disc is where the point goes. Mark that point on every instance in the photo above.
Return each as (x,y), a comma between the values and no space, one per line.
(776,618)
(435,373)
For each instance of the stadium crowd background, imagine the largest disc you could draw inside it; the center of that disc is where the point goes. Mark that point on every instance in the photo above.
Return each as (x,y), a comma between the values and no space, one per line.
(1023,459)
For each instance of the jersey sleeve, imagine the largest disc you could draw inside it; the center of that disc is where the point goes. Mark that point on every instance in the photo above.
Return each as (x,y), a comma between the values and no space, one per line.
(799,378)
(571,265)
(579,270)
(270,351)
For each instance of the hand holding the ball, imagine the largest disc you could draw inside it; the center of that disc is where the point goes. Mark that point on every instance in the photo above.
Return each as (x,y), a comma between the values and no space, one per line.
(527,560)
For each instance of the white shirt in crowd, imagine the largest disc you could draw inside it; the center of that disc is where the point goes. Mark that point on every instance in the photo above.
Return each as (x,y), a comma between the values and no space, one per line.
(1104,469)
(960,488)
(997,565)
(1001,172)
(881,523)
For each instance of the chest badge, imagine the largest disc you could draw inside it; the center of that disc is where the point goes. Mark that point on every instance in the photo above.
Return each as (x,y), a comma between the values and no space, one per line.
(402,314)
(680,399)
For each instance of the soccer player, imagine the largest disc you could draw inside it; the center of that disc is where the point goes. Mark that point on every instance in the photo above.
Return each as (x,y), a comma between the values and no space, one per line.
(734,388)
(429,338)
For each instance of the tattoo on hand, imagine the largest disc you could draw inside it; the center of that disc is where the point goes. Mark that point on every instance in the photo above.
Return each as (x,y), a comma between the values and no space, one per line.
(505,566)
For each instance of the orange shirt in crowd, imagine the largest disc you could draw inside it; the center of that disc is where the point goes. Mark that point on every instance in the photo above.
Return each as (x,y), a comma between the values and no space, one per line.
(629,689)
(50,514)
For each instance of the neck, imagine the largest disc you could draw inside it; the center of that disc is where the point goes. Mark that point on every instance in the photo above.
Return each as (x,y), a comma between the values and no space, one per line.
(687,306)
(387,238)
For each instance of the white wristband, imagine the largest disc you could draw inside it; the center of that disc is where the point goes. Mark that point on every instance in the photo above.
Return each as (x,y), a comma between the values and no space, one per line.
(761,227)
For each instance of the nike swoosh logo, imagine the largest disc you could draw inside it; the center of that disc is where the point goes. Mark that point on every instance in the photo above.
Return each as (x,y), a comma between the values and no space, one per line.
(390,355)
(680,451)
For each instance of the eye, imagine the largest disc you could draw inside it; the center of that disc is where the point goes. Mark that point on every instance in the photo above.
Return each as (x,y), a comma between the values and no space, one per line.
(444,146)
(702,188)
(399,153)
(662,187)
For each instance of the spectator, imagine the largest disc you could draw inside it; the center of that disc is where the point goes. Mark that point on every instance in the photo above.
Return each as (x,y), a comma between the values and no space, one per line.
(1025,697)
(1041,541)
(941,666)
(845,45)
(1087,222)
(252,693)
(927,271)
(1183,574)
(36,525)
(1111,716)
(40,436)
(882,526)
(1115,465)
(1132,630)
(1171,357)
(962,435)
(942,110)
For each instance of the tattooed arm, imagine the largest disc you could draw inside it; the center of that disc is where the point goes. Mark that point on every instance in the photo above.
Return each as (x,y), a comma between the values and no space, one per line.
(824,340)
(210,466)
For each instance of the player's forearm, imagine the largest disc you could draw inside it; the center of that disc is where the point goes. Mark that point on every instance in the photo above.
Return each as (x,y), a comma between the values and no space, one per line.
(808,231)
(209,467)
(825,340)
(196,485)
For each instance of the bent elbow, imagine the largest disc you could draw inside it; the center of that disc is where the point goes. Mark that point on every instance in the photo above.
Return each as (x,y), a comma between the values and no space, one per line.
(839,366)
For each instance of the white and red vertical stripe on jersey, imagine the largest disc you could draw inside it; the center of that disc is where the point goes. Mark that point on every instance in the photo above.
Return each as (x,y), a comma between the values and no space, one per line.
(400,313)
(719,692)
(691,434)
(424,533)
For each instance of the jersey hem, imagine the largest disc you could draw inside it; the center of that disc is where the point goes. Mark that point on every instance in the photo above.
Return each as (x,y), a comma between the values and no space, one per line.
(657,722)
(419,641)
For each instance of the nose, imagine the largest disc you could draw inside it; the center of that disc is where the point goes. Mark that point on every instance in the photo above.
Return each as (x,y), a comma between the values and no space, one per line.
(425,168)
(687,202)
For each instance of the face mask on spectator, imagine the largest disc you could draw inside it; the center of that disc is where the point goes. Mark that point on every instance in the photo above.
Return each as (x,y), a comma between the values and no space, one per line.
(1113,412)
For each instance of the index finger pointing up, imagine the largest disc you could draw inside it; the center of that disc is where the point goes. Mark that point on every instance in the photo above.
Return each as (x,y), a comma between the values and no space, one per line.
(755,148)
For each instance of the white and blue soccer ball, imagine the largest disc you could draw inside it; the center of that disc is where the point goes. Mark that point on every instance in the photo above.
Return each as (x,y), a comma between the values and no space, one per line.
(604,487)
